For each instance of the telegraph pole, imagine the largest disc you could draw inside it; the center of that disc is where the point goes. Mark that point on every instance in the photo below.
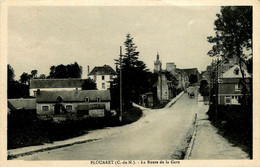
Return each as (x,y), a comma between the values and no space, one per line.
(121,98)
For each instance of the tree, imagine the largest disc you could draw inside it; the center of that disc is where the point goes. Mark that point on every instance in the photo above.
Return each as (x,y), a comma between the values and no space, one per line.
(68,71)
(172,78)
(34,74)
(25,78)
(233,36)
(42,76)
(193,79)
(204,88)
(89,84)
(10,73)
(135,79)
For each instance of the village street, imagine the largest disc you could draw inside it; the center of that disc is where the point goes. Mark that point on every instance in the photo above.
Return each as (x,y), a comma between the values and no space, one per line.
(161,134)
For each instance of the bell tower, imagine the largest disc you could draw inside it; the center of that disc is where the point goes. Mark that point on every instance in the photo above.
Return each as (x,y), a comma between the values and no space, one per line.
(157,64)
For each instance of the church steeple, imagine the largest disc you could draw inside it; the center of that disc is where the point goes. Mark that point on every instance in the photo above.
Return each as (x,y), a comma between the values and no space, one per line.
(157,64)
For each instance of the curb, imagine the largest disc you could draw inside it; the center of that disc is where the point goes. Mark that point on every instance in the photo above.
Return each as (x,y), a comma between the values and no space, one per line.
(13,156)
(189,150)
(174,100)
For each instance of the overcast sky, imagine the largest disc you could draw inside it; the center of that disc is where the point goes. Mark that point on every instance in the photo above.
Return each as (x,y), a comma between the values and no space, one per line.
(39,37)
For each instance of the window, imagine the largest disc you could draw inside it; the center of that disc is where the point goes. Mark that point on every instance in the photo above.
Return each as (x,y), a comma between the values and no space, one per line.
(45,108)
(103,77)
(69,107)
(98,99)
(95,77)
(227,100)
(236,71)
(34,93)
(237,88)
(87,100)
(59,99)
(103,86)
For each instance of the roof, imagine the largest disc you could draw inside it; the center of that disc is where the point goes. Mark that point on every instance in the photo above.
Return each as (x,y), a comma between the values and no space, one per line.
(56,83)
(190,71)
(27,104)
(90,106)
(103,70)
(73,96)
(231,73)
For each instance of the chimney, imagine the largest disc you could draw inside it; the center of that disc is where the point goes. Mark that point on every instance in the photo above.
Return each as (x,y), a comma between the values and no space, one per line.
(38,92)
(88,69)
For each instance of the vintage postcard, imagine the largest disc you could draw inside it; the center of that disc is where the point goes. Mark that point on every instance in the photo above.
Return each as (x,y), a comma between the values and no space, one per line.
(130,83)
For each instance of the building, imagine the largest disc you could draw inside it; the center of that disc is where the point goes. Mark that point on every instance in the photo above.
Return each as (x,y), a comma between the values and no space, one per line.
(55,85)
(191,71)
(182,78)
(74,104)
(102,76)
(22,106)
(157,65)
(162,88)
(171,67)
(146,99)
(229,87)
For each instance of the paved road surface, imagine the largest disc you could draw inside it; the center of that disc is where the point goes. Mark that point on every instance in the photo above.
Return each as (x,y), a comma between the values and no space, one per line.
(161,134)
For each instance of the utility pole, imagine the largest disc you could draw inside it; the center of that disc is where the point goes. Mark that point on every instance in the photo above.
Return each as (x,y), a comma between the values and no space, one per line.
(121,98)
(217,89)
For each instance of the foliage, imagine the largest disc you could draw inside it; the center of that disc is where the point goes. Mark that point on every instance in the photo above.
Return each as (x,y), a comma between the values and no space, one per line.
(204,88)
(135,76)
(68,71)
(172,78)
(233,36)
(34,74)
(89,84)
(17,90)
(42,76)
(10,73)
(193,79)
(25,78)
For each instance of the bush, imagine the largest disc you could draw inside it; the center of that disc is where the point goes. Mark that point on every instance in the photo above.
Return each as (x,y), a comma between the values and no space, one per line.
(131,115)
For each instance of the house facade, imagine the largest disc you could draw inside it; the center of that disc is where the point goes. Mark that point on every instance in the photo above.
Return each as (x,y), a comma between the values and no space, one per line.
(162,88)
(102,76)
(55,85)
(230,87)
(74,104)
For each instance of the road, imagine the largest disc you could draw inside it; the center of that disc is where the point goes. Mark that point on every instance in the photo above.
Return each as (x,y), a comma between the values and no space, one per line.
(159,135)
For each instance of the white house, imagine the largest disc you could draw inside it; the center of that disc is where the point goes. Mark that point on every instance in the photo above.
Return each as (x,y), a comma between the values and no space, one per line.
(102,76)
(55,85)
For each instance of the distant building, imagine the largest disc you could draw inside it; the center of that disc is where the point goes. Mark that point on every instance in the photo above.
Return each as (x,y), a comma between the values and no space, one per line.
(171,67)
(162,88)
(72,104)
(182,78)
(229,87)
(191,71)
(102,76)
(157,65)
(55,85)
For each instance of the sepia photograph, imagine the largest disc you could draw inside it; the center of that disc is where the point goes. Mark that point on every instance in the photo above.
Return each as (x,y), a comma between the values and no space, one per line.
(128,85)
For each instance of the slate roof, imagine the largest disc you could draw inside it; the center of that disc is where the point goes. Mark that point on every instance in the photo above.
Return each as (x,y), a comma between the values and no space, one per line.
(27,104)
(91,106)
(102,70)
(73,96)
(230,73)
(56,83)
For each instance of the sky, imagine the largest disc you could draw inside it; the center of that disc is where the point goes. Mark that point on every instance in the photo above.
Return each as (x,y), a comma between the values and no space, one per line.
(39,37)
